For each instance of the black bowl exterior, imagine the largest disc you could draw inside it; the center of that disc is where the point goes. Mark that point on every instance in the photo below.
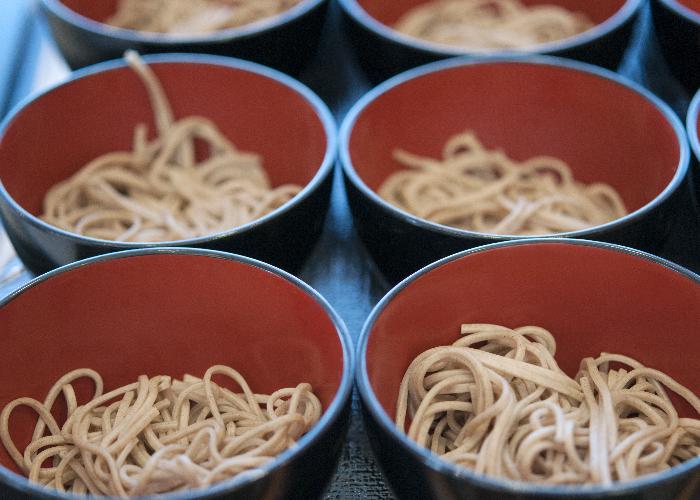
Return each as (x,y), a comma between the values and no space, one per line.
(284,240)
(678,33)
(400,243)
(694,138)
(287,46)
(383,55)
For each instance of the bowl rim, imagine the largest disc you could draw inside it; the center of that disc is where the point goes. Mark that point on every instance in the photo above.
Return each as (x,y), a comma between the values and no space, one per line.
(692,124)
(353,9)
(256,28)
(328,418)
(681,10)
(428,459)
(348,125)
(320,109)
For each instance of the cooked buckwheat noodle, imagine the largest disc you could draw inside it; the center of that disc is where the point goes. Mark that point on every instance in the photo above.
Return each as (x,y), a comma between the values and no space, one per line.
(160,190)
(158,435)
(194,16)
(484,190)
(491,24)
(497,402)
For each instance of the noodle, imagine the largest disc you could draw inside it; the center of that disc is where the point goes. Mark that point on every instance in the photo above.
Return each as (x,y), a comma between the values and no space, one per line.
(194,16)
(497,402)
(158,435)
(161,191)
(483,190)
(491,24)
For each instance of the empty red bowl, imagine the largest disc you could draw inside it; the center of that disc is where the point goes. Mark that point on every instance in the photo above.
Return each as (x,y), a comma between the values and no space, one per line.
(49,137)
(286,42)
(592,297)
(176,311)
(384,52)
(677,27)
(605,127)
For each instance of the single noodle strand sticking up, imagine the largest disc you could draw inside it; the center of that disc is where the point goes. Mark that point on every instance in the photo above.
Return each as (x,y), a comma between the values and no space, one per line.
(161,190)
(158,435)
(491,24)
(496,402)
(484,190)
(194,16)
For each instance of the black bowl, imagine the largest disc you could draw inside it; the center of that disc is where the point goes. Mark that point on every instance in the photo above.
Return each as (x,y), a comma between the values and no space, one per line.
(260,109)
(593,297)
(606,128)
(384,52)
(693,128)
(174,311)
(286,42)
(677,27)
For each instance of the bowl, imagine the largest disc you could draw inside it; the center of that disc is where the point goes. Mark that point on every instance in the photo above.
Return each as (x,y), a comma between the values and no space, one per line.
(383,51)
(259,109)
(605,127)
(591,296)
(286,42)
(173,311)
(677,27)
(693,128)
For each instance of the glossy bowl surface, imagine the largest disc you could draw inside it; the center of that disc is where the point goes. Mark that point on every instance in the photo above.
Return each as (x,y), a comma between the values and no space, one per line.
(593,297)
(677,26)
(605,127)
(693,129)
(285,42)
(175,311)
(384,52)
(50,136)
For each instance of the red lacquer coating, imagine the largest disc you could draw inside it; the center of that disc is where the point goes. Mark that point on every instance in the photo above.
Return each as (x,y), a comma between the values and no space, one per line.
(603,130)
(164,314)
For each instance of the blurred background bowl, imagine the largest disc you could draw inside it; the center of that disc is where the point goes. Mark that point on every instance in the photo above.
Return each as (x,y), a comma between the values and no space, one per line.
(286,42)
(606,128)
(693,128)
(177,311)
(592,297)
(49,137)
(677,27)
(384,52)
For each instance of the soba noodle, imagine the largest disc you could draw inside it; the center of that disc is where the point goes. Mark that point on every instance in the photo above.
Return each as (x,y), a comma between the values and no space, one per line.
(161,190)
(497,402)
(484,190)
(158,435)
(194,16)
(491,24)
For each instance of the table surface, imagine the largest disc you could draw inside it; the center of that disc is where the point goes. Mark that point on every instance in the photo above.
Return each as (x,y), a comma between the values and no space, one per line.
(339,268)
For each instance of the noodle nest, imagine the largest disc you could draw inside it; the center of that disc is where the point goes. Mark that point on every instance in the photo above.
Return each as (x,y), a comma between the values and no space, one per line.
(484,190)
(496,402)
(491,24)
(158,435)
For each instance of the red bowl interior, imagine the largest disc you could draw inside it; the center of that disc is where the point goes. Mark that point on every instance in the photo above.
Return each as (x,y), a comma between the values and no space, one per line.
(389,12)
(164,314)
(605,131)
(97,11)
(59,132)
(691,4)
(591,299)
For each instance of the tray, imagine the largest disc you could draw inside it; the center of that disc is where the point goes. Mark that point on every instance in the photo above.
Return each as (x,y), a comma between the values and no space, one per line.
(339,268)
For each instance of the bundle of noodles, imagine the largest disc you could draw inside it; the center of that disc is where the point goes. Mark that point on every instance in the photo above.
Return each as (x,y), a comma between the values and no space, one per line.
(161,191)
(158,435)
(497,402)
(194,16)
(484,190)
(491,24)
